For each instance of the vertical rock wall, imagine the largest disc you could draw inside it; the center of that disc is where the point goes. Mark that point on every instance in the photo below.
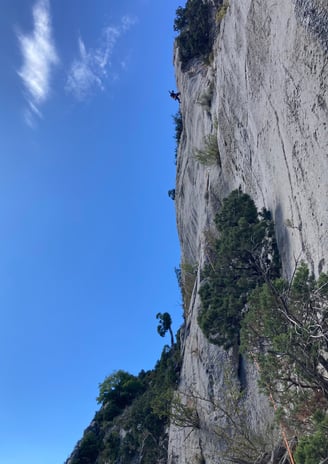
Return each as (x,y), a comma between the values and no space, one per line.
(265,98)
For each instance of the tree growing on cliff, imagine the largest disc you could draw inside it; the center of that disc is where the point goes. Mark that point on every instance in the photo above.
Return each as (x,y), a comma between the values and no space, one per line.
(313,449)
(117,391)
(171,194)
(244,256)
(193,22)
(164,326)
(286,329)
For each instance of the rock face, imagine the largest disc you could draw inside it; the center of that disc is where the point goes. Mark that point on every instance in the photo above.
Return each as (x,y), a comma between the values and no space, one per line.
(264,97)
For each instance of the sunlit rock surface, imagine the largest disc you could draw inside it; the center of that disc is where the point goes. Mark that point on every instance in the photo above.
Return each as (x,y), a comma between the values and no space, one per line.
(264,96)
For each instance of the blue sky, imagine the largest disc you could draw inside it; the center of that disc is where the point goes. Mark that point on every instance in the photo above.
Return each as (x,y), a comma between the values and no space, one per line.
(88,240)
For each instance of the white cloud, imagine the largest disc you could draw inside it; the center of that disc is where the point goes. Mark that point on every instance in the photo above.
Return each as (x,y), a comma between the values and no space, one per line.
(39,56)
(89,71)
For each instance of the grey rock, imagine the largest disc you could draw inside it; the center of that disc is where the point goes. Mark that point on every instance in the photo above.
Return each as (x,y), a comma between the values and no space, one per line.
(264,97)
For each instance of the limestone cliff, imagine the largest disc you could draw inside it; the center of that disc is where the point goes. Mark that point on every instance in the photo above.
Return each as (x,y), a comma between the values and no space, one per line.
(264,97)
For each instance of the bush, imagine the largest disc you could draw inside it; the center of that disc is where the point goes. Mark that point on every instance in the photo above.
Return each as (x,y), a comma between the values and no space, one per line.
(89,448)
(193,22)
(186,276)
(244,255)
(221,12)
(178,125)
(131,425)
(171,194)
(144,421)
(285,328)
(117,391)
(314,448)
(210,154)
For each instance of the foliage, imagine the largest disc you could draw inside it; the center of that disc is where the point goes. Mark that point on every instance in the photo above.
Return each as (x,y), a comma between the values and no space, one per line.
(117,391)
(164,326)
(165,376)
(183,411)
(221,12)
(171,194)
(244,256)
(285,329)
(178,125)
(186,276)
(209,154)
(89,448)
(206,97)
(145,420)
(313,449)
(113,443)
(134,413)
(193,24)
(178,274)
(238,443)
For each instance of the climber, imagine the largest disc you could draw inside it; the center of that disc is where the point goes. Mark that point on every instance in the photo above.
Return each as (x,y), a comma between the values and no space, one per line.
(175,95)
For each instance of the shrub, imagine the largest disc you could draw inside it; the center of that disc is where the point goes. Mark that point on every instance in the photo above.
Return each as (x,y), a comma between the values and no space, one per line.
(244,255)
(131,425)
(285,328)
(178,125)
(314,448)
(89,448)
(193,22)
(171,194)
(221,12)
(210,154)
(206,97)
(186,276)
(117,391)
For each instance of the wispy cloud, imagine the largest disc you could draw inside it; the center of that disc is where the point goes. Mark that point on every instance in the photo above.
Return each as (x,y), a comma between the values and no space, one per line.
(39,57)
(90,70)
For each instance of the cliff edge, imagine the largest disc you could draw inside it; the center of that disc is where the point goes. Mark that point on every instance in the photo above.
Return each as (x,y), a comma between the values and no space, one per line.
(262,97)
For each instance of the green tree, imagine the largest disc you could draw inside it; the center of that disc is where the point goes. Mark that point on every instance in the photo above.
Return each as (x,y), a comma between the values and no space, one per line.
(119,389)
(178,125)
(171,194)
(178,128)
(181,20)
(243,257)
(313,449)
(164,325)
(140,406)
(146,418)
(193,22)
(286,328)
(89,448)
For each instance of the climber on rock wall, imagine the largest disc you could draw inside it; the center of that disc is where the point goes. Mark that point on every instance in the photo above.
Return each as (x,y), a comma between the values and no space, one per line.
(175,95)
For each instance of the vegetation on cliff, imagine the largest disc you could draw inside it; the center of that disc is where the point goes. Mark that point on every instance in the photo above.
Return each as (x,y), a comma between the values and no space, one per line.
(193,23)
(196,26)
(286,324)
(243,257)
(131,425)
(285,332)
(313,449)
(178,128)
(281,326)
